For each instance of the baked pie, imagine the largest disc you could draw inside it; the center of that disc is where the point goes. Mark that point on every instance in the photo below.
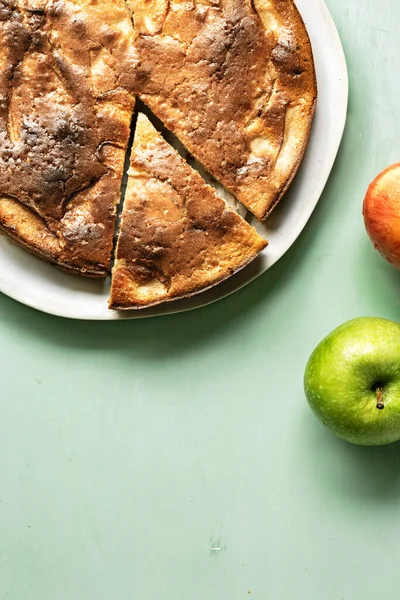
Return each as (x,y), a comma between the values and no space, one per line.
(234,80)
(65,114)
(177,237)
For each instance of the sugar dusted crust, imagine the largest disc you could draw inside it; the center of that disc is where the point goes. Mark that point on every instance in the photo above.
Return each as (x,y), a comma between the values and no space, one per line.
(235,81)
(65,114)
(177,237)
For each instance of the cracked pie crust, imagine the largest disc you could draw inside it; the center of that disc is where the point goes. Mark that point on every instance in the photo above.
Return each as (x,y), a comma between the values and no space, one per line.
(65,116)
(177,238)
(235,81)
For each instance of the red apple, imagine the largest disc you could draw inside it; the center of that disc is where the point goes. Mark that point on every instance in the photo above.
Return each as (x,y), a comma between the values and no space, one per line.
(381,212)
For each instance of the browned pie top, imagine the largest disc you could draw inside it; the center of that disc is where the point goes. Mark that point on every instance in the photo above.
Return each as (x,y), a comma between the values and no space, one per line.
(235,81)
(177,236)
(65,113)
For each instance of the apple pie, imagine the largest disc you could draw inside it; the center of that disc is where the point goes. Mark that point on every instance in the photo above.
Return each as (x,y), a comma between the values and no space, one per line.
(65,116)
(177,237)
(234,80)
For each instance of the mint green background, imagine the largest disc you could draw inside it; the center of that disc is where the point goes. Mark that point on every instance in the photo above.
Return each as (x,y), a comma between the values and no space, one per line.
(129,450)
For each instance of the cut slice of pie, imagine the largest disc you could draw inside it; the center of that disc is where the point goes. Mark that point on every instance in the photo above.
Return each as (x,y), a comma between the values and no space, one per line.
(177,236)
(65,117)
(235,81)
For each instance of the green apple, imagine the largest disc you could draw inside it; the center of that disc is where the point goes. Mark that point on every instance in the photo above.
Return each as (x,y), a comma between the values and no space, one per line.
(352,381)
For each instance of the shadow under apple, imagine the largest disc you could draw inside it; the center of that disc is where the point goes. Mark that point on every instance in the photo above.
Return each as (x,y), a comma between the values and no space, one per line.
(359,474)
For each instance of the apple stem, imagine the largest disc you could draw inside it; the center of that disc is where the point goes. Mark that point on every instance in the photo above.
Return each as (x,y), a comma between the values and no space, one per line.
(379,402)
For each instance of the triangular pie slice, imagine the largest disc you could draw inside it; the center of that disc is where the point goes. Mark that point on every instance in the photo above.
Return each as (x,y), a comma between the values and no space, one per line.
(235,81)
(65,117)
(177,237)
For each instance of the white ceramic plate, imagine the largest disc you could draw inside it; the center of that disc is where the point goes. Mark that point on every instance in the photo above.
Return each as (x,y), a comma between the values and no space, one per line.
(39,285)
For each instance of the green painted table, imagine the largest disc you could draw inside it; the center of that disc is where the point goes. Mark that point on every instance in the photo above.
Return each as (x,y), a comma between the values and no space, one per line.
(176,458)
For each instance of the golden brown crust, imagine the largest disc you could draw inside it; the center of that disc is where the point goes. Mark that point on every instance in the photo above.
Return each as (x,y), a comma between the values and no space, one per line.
(28,231)
(64,126)
(235,81)
(177,236)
